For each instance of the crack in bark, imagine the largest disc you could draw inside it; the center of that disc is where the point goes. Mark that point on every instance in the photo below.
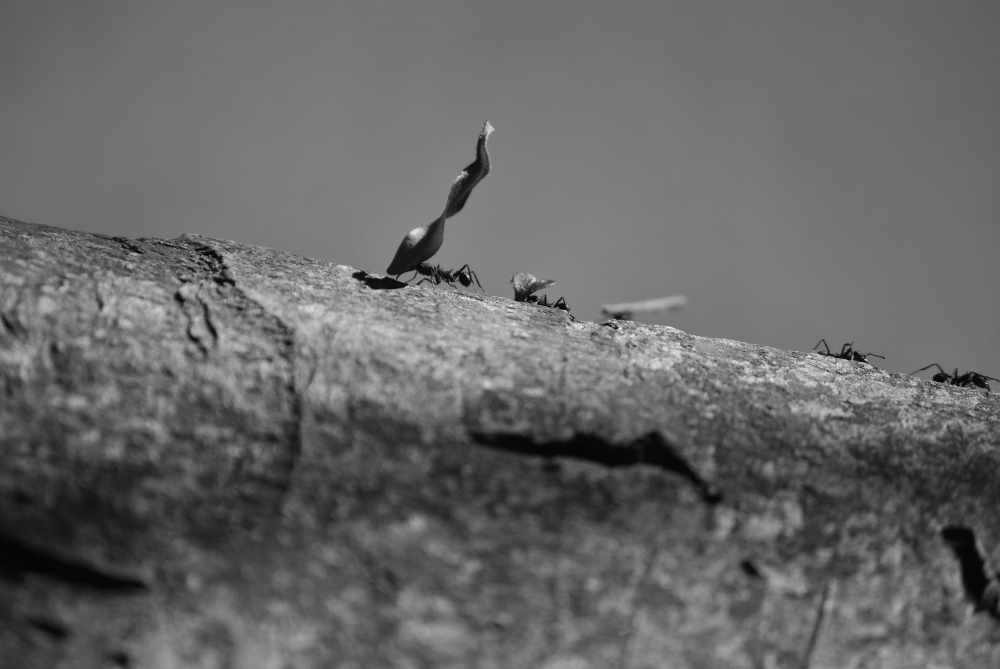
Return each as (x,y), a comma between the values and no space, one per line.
(650,449)
(184,296)
(817,624)
(54,628)
(623,655)
(18,558)
(285,342)
(220,272)
(9,326)
(981,589)
(129,245)
(207,315)
(211,266)
(295,431)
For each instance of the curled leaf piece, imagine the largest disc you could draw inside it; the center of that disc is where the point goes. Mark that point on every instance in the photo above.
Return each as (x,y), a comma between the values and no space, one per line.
(626,310)
(473,173)
(525,284)
(420,244)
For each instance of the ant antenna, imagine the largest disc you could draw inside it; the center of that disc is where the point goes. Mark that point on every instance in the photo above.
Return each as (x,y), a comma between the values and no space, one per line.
(933,364)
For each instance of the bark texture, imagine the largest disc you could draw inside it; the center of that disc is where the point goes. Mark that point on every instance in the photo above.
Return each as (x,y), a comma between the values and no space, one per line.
(216,455)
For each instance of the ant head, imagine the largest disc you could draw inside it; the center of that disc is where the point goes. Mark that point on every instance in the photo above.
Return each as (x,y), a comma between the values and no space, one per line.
(465,279)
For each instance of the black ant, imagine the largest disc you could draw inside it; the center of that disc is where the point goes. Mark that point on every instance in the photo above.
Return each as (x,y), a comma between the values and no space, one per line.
(967,380)
(435,274)
(847,352)
(544,302)
(525,284)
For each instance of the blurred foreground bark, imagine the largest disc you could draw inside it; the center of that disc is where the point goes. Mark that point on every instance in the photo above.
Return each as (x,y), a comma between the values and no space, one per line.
(215,455)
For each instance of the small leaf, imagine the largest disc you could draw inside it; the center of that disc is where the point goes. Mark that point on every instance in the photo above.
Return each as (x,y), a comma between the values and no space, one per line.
(645,306)
(525,284)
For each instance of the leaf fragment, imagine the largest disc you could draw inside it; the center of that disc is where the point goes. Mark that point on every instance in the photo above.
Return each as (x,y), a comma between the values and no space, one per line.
(525,284)
(420,244)
(626,310)
(473,173)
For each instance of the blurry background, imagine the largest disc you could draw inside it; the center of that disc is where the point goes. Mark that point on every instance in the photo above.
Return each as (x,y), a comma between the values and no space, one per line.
(798,170)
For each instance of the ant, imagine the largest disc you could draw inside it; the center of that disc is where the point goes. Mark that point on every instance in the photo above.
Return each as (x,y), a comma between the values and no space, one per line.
(435,274)
(847,352)
(525,284)
(544,301)
(967,380)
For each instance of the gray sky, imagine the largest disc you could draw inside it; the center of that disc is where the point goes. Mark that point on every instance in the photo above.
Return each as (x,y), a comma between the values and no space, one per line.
(798,170)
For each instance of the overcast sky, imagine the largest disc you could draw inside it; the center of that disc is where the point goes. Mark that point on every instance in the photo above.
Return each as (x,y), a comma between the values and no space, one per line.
(798,170)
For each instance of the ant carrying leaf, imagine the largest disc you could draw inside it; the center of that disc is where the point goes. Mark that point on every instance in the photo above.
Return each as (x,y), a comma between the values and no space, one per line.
(967,380)
(525,284)
(420,244)
(625,311)
(847,352)
(434,274)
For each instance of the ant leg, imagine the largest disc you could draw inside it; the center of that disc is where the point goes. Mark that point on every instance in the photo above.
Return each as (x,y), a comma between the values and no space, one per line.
(845,348)
(875,355)
(476,278)
(406,272)
(823,342)
(561,304)
(472,274)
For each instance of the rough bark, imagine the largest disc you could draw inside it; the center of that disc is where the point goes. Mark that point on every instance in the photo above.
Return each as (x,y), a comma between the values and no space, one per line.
(216,455)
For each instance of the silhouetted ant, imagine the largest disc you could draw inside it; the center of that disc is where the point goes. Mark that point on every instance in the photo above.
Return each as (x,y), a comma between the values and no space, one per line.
(435,274)
(967,380)
(847,352)
(525,284)
(544,301)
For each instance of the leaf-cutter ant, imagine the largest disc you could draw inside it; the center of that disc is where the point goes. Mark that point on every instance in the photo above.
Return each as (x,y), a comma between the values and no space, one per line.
(847,352)
(435,274)
(525,284)
(544,301)
(967,380)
